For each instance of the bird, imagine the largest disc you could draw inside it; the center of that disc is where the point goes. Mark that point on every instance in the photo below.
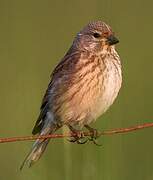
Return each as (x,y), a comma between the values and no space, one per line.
(83,85)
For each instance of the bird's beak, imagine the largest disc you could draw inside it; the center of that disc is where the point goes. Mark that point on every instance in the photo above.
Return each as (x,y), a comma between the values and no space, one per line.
(112,40)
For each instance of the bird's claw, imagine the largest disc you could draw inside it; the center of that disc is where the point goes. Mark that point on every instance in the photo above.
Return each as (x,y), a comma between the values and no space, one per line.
(78,138)
(94,140)
(94,135)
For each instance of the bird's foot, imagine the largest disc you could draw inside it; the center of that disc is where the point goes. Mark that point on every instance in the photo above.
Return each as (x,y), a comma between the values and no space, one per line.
(79,137)
(94,135)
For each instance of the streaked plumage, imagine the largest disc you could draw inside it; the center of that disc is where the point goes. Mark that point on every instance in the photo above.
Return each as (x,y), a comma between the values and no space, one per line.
(83,85)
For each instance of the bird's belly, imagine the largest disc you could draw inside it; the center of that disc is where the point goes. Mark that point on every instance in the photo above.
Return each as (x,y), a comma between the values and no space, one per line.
(109,91)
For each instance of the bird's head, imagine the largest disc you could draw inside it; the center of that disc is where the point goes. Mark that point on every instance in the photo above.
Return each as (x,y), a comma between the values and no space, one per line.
(96,36)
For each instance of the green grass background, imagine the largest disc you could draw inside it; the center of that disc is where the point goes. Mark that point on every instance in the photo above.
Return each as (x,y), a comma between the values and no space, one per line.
(34,36)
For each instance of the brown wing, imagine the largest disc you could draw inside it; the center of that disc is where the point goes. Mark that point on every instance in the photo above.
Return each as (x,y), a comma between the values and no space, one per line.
(61,72)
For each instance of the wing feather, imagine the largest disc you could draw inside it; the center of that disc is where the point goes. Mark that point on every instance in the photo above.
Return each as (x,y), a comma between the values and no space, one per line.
(61,73)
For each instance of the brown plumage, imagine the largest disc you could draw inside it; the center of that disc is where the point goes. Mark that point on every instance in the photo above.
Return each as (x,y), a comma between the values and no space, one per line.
(83,85)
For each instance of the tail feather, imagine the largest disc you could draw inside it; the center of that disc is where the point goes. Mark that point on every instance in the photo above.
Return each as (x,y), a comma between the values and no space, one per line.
(36,152)
(40,145)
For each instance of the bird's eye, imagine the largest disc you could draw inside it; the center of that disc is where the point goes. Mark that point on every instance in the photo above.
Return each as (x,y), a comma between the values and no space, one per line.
(96,35)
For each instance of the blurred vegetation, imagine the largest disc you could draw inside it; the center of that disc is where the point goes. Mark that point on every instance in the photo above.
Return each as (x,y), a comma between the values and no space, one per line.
(34,36)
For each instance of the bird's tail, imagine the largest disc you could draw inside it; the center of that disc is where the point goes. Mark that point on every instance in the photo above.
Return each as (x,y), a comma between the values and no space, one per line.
(40,145)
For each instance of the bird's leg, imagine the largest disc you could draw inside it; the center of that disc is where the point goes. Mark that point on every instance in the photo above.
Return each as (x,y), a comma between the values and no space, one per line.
(79,136)
(94,134)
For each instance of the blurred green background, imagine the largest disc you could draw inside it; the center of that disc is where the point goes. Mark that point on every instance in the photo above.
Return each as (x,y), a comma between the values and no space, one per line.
(34,36)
